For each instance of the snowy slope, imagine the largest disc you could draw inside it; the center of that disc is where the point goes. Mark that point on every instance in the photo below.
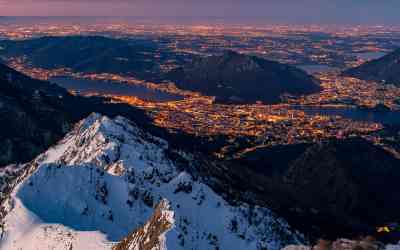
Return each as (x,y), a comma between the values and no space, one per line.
(102,182)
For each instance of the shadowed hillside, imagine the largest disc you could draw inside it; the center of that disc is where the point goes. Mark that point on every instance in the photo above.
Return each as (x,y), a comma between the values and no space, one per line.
(238,78)
(385,69)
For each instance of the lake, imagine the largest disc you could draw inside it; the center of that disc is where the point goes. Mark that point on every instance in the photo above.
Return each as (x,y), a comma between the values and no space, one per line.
(316,68)
(113,88)
(389,118)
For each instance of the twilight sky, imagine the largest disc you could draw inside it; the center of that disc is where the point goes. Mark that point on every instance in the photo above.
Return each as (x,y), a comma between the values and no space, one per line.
(288,11)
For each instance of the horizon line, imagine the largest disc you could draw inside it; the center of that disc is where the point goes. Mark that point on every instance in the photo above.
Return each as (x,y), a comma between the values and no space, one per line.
(230,18)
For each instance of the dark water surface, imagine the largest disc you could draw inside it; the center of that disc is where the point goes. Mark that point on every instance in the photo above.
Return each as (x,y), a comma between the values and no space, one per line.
(389,117)
(114,88)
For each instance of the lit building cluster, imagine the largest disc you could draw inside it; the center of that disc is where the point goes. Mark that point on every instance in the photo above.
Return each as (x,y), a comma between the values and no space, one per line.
(352,92)
(276,124)
(295,44)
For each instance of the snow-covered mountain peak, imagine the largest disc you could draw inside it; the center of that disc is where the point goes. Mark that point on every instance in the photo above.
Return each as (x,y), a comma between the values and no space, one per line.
(96,124)
(103,181)
(113,145)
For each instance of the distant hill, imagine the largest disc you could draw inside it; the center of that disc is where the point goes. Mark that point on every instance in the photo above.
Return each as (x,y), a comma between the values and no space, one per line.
(385,69)
(84,54)
(238,78)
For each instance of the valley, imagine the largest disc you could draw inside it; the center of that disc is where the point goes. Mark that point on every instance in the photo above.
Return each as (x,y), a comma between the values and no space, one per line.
(124,135)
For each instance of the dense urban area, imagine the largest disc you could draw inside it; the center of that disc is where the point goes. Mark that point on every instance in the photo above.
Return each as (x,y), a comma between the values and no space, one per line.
(115,91)
(322,50)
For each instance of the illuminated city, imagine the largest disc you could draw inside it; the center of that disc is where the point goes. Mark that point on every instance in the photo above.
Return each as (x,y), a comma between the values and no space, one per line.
(270,125)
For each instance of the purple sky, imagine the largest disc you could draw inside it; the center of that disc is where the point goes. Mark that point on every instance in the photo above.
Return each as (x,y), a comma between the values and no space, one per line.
(292,11)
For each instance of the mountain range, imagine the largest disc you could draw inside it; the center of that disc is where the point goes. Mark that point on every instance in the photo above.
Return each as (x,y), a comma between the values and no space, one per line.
(89,54)
(238,78)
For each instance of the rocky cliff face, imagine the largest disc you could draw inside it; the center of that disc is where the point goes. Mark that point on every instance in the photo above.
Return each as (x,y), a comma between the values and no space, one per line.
(151,236)
(103,180)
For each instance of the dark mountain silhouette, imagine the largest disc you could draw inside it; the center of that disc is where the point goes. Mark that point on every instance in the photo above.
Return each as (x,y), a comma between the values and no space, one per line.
(233,77)
(385,69)
(93,54)
(330,189)
(353,182)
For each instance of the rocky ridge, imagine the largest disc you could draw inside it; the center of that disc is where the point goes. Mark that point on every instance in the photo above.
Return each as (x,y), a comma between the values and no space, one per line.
(103,180)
